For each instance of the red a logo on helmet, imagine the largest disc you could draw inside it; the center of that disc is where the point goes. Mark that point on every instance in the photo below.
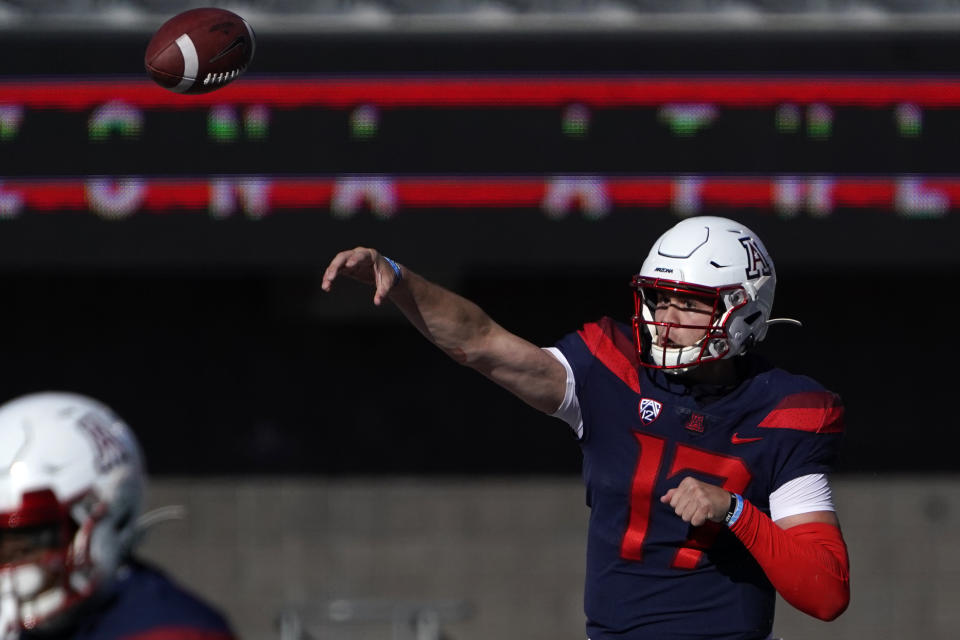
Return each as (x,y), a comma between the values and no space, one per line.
(110,449)
(757,264)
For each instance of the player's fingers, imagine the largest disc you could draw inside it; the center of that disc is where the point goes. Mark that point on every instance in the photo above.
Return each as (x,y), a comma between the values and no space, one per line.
(702,502)
(359,258)
(354,258)
(677,500)
(699,516)
(341,259)
(332,270)
(687,511)
(381,294)
(356,263)
(686,506)
(386,280)
(693,492)
(381,291)
(668,496)
(680,503)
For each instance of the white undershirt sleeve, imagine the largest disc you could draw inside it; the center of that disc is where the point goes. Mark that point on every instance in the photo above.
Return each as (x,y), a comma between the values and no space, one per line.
(569,409)
(801,495)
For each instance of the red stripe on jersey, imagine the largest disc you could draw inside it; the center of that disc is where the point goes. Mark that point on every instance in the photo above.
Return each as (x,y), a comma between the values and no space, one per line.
(813,411)
(614,350)
(181,633)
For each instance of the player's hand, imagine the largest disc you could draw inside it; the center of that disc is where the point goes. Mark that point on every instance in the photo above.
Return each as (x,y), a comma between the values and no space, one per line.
(365,265)
(696,502)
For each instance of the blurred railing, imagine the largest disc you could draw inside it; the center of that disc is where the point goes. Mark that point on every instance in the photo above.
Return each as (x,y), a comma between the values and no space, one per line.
(497,15)
(407,619)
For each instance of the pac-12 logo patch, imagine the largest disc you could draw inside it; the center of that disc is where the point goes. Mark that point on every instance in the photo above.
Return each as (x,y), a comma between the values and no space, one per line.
(649,410)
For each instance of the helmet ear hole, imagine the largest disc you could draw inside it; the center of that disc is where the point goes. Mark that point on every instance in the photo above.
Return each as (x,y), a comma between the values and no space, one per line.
(736,299)
(122,521)
(718,347)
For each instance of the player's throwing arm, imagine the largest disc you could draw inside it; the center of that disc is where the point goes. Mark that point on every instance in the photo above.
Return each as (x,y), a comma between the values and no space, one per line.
(457,326)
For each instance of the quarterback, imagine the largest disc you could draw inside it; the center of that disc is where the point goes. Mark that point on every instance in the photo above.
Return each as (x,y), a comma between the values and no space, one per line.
(705,466)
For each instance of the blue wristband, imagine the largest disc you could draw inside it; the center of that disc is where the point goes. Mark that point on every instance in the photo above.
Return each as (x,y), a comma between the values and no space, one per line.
(734,515)
(395,267)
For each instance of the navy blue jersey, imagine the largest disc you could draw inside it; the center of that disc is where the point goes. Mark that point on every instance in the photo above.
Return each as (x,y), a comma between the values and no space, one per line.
(649,574)
(145,605)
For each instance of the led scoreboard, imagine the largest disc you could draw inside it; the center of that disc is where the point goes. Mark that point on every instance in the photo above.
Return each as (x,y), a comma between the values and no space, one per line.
(283,168)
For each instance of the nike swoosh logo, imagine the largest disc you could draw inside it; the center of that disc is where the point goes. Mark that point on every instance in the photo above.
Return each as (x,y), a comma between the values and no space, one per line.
(239,42)
(736,439)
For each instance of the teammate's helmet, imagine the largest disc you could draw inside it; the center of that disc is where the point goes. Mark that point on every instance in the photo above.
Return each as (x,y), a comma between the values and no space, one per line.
(71,487)
(720,261)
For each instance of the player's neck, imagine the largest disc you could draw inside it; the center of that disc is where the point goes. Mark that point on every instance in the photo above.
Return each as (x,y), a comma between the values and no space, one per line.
(718,372)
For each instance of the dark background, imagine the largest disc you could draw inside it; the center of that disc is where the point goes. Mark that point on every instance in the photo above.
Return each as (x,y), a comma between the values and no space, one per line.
(228,369)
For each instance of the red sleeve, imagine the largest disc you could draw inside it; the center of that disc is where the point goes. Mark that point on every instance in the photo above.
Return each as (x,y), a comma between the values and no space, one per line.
(807,564)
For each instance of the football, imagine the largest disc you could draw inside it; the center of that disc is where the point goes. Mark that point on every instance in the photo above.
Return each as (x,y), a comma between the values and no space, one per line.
(199,50)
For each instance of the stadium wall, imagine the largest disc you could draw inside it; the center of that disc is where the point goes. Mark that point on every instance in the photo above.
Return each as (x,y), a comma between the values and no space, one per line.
(511,551)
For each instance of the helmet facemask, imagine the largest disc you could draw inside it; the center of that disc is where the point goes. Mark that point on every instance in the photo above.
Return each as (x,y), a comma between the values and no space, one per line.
(35,562)
(653,340)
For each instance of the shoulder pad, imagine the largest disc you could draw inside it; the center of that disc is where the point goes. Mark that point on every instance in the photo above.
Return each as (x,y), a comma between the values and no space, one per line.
(614,349)
(811,411)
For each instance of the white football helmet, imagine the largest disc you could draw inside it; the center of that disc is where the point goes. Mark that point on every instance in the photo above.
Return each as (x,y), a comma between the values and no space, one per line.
(720,261)
(71,489)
